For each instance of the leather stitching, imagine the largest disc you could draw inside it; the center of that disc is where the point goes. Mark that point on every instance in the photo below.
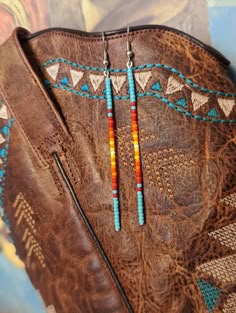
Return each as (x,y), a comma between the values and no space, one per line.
(168,33)
(86,230)
(148,66)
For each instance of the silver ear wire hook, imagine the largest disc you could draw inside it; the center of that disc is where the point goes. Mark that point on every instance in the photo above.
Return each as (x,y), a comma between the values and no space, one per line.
(129,50)
(105,56)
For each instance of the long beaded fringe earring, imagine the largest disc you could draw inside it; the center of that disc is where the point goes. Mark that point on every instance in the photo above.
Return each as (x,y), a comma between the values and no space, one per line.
(111,122)
(135,134)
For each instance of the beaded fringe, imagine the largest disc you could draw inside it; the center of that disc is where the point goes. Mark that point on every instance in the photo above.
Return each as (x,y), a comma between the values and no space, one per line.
(134,120)
(110,117)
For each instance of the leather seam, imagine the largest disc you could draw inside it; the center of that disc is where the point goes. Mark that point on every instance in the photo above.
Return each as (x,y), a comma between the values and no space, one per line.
(175,36)
(56,180)
(104,266)
(55,140)
(42,161)
(52,114)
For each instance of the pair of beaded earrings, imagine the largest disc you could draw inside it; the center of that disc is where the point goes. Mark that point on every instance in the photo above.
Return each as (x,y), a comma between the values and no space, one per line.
(135,135)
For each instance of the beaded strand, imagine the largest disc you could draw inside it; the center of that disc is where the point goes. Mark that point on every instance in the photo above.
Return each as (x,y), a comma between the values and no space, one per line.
(135,134)
(111,123)
(110,118)
(134,123)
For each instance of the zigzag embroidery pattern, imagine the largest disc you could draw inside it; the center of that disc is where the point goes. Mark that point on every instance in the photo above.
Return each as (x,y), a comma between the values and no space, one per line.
(76,83)
(222,270)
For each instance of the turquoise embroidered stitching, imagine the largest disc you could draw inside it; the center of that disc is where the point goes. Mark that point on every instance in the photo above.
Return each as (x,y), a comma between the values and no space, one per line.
(4,153)
(158,65)
(165,100)
(211,294)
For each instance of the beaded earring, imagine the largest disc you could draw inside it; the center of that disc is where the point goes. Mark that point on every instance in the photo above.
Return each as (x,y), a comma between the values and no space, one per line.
(135,134)
(111,122)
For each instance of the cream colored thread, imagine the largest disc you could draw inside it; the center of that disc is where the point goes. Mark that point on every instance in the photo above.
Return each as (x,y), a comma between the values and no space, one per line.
(2,139)
(96,80)
(142,78)
(51,309)
(3,111)
(226,235)
(230,200)
(118,81)
(173,85)
(226,105)
(230,306)
(223,269)
(198,100)
(76,76)
(53,70)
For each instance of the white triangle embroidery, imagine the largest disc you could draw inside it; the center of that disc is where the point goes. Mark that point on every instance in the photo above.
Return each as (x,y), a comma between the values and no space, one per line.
(173,85)
(198,100)
(53,70)
(76,76)
(2,139)
(3,112)
(96,80)
(118,81)
(142,78)
(51,309)
(226,105)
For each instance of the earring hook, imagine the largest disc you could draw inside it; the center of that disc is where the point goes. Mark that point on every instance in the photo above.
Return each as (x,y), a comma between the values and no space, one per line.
(105,55)
(129,50)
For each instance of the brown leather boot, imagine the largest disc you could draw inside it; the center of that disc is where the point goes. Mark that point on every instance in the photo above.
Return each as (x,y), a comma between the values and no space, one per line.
(56,186)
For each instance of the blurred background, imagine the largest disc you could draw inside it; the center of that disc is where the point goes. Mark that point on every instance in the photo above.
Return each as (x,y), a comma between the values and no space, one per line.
(212,21)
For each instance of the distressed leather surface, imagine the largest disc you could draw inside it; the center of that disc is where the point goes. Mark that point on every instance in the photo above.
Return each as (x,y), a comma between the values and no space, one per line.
(189,173)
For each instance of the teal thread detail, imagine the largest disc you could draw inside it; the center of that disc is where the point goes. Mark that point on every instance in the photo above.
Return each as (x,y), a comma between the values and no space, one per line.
(5,130)
(47,82)
(213,113)
(182,102)
(79,93)
(149,66)
(85,88)
(65,81)
(210,293)
(156,86)
(165,100)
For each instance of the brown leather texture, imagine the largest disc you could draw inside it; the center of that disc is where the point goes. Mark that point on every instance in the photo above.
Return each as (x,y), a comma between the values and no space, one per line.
(182,260)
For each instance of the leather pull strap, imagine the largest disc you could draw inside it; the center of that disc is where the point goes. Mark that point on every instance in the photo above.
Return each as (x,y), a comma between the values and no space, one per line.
(26,96)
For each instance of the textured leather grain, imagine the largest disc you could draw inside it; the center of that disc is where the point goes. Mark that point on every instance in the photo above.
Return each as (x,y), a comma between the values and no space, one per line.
(183,259)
